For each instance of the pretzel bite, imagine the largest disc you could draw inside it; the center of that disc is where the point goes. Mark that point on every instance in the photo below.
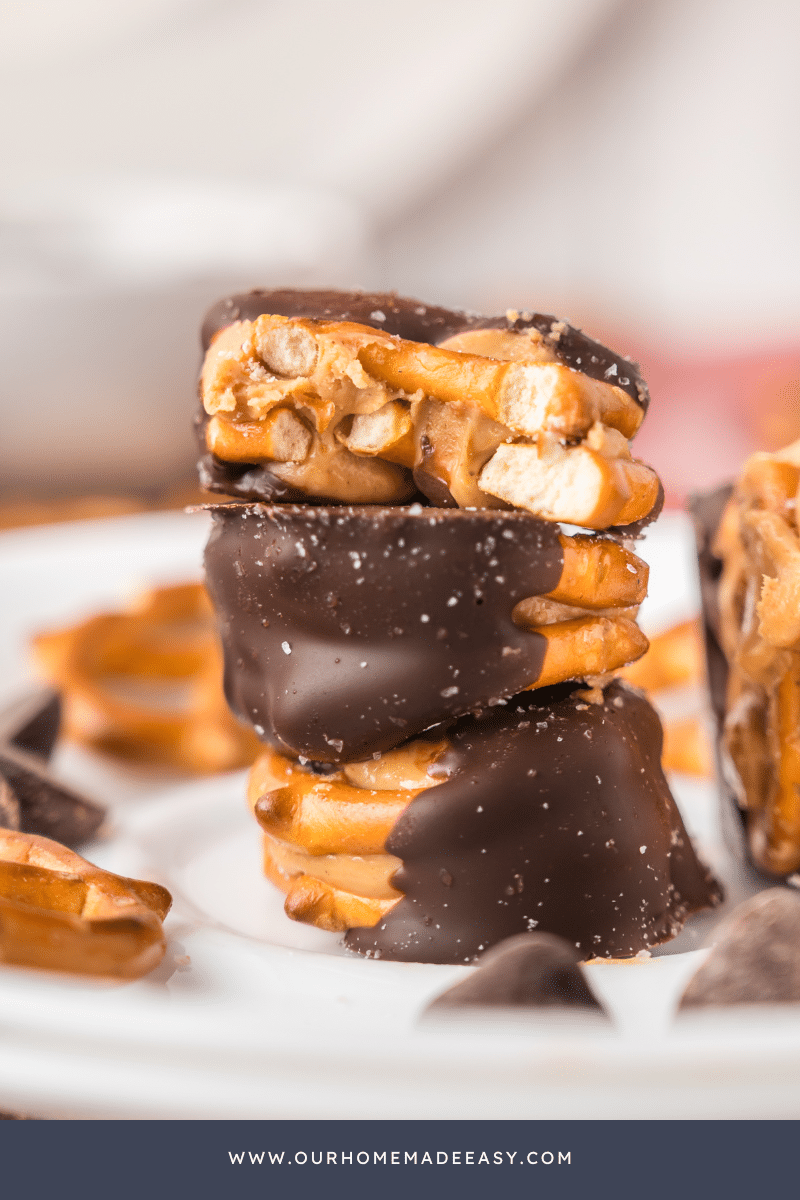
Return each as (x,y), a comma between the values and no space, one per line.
(325,834)
(347,631)
(342,411)
(58,912)
(758,596)
(146,683)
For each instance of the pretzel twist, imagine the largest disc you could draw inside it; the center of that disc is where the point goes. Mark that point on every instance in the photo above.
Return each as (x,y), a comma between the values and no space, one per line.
(586,647)
(58,912)
(325,836)
(147,683)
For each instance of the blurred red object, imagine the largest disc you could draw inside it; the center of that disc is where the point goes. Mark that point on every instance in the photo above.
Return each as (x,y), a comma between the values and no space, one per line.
(709,413)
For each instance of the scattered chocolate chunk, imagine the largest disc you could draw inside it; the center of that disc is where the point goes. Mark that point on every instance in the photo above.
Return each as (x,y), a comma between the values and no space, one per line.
(532,970)
(756,959)
(31,723)
(31,801)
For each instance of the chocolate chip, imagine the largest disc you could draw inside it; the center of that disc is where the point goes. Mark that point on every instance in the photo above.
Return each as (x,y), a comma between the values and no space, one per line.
(531,970)
(31,723)
(756,959)
(33,802)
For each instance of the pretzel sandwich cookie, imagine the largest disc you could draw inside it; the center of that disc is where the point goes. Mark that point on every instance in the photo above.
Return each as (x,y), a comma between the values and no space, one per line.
(58,912)
(424,652)
(370,398)
(752,602)
(457,840)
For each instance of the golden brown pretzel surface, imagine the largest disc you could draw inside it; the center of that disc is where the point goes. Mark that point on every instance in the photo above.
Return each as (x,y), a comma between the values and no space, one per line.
(146,683)
(325,835)
(59,912)
(759,603)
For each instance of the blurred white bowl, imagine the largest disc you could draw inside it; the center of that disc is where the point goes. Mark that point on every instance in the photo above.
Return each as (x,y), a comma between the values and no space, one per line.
(102,290)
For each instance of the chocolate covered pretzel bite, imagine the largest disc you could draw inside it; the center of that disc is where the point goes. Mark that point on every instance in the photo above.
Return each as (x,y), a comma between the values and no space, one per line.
(753,610)
(348,630)
(371,398)
(547,813)
(406,627)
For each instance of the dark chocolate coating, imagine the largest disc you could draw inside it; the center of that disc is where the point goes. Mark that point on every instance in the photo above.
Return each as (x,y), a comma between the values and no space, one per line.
(347,631)
(756,958)
(531,970)
(31,724)
(405,318)
(418,322)
(43,806)
(556,817)
(707,513)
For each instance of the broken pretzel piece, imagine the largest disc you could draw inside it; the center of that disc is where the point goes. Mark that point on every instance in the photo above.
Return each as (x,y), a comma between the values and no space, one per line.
(58,912)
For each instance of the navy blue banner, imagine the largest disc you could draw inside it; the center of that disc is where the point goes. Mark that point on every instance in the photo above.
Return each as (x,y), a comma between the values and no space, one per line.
(384,1160)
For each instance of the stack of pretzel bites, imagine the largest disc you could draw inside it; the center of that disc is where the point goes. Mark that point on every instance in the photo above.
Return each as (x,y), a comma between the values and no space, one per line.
(425,652)
(750,560)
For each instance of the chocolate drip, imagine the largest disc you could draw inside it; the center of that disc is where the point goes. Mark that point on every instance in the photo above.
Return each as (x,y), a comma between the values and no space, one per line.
(556,817)
(418,322)
(349,630)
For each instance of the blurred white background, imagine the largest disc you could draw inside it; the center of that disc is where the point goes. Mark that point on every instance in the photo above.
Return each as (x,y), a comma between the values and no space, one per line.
(630,164)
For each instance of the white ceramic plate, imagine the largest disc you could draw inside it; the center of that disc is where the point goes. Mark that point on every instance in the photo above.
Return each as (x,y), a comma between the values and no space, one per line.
(273,1019)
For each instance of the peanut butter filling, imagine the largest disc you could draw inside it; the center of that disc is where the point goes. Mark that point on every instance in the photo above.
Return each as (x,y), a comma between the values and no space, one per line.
(490,418)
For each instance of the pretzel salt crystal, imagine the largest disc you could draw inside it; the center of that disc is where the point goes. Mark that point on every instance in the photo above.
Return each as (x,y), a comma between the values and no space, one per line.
(58,912)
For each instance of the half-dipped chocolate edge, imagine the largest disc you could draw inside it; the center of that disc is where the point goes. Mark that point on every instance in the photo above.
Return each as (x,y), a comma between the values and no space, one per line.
(556,816)
(419,322)
(348,630)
